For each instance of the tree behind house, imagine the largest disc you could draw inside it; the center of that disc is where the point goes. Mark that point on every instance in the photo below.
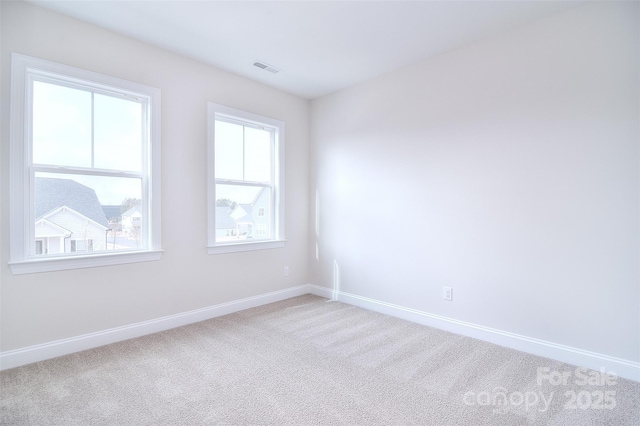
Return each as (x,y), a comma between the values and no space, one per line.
(225,202)
(128,203)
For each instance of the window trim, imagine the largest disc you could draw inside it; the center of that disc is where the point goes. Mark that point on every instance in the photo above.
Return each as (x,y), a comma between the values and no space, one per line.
(21,186)
(278,241)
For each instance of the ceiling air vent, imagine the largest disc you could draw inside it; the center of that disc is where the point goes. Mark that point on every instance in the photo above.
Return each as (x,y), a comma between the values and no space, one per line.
(266,67)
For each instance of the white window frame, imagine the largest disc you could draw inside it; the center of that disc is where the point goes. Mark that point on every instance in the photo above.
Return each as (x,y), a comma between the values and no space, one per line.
(278,241)
(24,69)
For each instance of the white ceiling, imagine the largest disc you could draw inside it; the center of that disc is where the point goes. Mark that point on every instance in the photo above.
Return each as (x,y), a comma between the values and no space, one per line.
(319,46)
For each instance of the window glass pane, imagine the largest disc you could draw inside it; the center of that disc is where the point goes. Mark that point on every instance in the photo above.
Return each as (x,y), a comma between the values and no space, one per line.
(118,133)
(104,210)
(61,125)
(228,150)
(237,213)
(257,166)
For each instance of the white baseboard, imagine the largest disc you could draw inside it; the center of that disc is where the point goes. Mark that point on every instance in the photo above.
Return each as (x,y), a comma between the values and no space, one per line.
(566,354)
(569,355)
(18,357)
(322,291)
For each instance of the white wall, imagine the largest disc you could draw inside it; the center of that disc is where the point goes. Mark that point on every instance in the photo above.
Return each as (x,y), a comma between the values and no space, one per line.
(508,169)
(40,308)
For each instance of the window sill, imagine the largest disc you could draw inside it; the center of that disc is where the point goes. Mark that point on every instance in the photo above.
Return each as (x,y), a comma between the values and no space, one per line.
(33,266)
(240,247)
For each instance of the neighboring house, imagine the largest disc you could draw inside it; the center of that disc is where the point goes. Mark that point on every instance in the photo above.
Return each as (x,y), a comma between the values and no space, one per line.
(225,225)
(252,220)
(131,220)
(243,217)
(114,216)
(69,217)
(261,217)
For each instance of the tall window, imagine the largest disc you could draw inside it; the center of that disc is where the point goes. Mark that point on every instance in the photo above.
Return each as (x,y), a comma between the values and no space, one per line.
(85,150)
(245,172)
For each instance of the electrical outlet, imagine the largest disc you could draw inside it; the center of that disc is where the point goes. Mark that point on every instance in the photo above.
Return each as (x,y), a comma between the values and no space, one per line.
(286,271)
(447,293)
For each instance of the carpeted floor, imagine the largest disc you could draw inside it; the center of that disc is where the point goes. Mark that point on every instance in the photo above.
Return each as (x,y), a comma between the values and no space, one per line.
(307,361)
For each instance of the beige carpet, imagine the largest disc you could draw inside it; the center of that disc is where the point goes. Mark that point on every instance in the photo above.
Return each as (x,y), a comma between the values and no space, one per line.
(307,361)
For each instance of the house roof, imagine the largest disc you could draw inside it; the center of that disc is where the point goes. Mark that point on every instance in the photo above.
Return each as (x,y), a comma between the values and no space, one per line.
(248,209)
(224,219)
(112,212)
(45,228)
(51,193)
(133,210)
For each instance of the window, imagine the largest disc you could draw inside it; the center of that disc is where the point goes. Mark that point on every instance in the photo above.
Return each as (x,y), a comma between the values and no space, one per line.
(261,229)
(81,245)
(81,143)
(245,163)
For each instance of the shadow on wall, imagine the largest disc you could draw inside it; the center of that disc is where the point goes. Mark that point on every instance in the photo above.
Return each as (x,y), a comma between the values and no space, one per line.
(336,268)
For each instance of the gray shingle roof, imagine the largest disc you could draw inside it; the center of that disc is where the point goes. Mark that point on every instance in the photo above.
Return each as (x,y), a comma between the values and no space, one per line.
(51,194)
(112,212)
